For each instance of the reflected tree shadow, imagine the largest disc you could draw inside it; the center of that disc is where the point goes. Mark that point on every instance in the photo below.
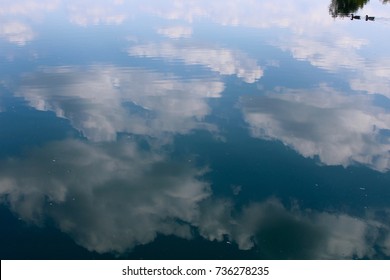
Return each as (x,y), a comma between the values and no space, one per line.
(347,8)
(343,8)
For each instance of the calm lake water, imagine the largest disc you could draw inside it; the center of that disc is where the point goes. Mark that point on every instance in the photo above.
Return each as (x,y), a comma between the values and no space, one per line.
(226,129)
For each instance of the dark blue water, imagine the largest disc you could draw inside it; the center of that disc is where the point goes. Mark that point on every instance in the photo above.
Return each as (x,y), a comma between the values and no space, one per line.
(194,130)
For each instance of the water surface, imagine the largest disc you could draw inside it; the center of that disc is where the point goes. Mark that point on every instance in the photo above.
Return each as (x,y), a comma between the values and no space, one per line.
(194,129)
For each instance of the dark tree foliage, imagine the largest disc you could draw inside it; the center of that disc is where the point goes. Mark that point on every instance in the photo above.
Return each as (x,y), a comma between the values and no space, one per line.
(340,8)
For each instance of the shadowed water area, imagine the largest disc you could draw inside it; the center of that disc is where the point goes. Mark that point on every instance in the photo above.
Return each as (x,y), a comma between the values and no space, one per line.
(169,129)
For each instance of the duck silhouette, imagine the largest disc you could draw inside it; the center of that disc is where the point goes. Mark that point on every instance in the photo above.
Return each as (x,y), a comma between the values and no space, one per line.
(369,18)
(354,17)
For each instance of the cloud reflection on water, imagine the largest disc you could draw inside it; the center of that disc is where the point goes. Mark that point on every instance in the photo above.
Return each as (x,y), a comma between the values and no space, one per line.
(339,129)
(278,232)
(16,17)
(336,48)
(175,32)
(16,32)
(223,61)
(107,197)
(104,100)
(111,197)
(85,13)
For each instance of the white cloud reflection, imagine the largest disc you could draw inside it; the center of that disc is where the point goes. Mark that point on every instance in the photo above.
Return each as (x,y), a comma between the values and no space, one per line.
(16,17)
(29,8)
(112,197)
(102,101)
(337,53)
(175,32)
(86,13)
(248,13)
(80,12)
(278,232)
(339,129)
(313,36)
(16,32)
(223,61)
(374,77)
(107,197)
